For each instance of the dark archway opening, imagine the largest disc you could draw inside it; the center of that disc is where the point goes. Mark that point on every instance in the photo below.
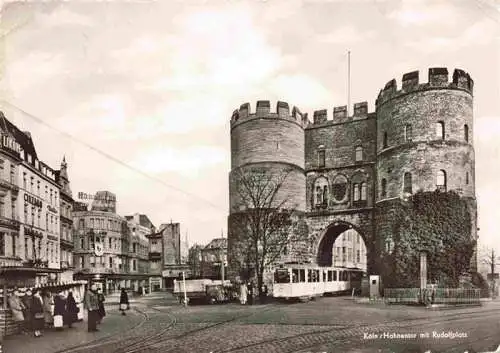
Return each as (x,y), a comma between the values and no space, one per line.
(342,246)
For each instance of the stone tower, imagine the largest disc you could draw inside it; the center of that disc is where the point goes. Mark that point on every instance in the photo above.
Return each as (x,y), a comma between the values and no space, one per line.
(270,141)
(424,139)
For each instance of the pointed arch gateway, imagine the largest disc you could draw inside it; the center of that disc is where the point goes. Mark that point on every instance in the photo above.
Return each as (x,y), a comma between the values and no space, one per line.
(324,245)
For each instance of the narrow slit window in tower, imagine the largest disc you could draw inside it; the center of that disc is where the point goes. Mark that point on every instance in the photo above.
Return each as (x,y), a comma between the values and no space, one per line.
(440,130)
(466,133)
(383,188)
(441,180)
(407,183)
(384,142)
(321,158)
(408,133)
(359,154)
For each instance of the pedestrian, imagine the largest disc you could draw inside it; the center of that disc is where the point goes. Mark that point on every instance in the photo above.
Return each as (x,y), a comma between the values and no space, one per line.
(124,304)
(26,299)
(101,311)
(250,293)
(243,293)
(38,317)
(16,306)
(72,310)
(59,311)
(264,293)
(92,306)
(47,308)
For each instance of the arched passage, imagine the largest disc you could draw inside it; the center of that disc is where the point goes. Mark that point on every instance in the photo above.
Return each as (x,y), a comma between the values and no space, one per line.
(352,251)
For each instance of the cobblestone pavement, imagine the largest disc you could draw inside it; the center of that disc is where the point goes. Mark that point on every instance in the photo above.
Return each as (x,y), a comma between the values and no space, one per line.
(55,341)
(324,325)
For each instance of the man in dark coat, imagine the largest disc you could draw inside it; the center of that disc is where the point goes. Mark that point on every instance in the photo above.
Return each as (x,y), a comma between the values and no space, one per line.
(124,304)
(59,310)
(71,310)
(102,310)
(92,305)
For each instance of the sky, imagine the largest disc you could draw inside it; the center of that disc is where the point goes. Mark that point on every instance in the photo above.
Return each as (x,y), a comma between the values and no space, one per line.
(138,95)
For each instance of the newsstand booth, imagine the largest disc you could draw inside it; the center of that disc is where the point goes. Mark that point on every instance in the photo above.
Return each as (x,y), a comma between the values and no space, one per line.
(32,277)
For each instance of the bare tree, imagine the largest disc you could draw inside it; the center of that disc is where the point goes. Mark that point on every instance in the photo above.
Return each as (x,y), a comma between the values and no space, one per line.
(266,223)
(491,259)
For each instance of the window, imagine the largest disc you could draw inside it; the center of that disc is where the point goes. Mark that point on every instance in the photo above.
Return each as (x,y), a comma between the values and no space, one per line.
(82,262)
(51,196)
(363,191)
(466,178)
(466,133)
(14,244)
(82,243)
(356,192)
(2,244)
(24,181)
(12,174)
(357,238)
(1,168)
(25,213)
(110,242)
(32,184)
(13,206)
(384,140)
(389,245)
(441,180)
(408,133)
(110,262)
(440,130)
(46,192)
(38,187)
(339,188)
(383,188)
(321,159)
(407,183)
(359,154)
(358,255)
(2,207)
(321,191)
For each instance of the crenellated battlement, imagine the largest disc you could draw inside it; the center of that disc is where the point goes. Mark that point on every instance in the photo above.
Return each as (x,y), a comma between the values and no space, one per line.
(263,110)
(438,78)
(340,114)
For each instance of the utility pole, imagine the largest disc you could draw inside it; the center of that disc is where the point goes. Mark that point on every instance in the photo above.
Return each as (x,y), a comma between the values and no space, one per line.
(348,83)
(222,259)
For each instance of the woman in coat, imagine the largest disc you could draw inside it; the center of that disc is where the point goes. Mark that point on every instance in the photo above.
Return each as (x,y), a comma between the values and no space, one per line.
(27,301)
(37,315)
(59,311)
(16,306)
(101,310)
(47,308)
(72,310)
(124,304)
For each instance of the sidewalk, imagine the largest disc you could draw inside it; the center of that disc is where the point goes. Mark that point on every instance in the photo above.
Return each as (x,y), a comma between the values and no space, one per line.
(55,341)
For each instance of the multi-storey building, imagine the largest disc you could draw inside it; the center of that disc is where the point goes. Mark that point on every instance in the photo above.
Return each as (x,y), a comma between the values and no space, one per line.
(65,218)
(195,260)
(140,227)
(349,251)
(101,241)
(29,207)
(354,170)
(155,260)
(213,257)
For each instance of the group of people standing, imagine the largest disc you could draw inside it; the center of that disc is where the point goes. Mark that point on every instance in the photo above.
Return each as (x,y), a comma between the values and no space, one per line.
(33,309)
(247,293)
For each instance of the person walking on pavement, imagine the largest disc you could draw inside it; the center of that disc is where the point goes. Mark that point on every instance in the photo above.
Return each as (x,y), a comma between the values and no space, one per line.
(250,293)
(72,310)
(124,304)
(92,306)
(47,308)
(59,311)
(38,317)
(26,299)
(102,310)
(16,306)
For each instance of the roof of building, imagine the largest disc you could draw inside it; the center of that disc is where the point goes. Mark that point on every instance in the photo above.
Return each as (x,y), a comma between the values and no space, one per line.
(143,220)
(217,243)
(23,138)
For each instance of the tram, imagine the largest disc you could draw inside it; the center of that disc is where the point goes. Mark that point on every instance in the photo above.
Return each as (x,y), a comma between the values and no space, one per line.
(306,282)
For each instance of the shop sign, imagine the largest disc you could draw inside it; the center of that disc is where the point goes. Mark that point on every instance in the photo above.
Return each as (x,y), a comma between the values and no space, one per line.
(33,200)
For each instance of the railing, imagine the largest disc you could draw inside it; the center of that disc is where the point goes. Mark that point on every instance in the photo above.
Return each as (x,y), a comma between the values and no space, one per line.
(9,184)
(12,222)
(432,296)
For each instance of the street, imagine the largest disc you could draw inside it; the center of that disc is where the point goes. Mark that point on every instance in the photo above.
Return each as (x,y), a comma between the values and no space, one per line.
(159,324)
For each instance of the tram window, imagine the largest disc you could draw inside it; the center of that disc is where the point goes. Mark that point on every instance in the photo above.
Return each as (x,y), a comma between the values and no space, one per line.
(309,276)
(341,275)
(335,276)
(282,276)
(329,276)
(302,275)
(295,276)
(345,275)
(318,278)
(324,276)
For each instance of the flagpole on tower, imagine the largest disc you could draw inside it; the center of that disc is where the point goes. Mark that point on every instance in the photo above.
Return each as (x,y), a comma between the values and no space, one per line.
(348,83)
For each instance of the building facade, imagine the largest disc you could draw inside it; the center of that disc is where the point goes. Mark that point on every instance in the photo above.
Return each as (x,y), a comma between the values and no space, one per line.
(348,172)
(349,251)
(65,219)
(171,256)
(213,257)
(140,227)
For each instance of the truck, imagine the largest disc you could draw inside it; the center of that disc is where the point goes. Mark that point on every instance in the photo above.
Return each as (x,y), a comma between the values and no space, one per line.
(205,290)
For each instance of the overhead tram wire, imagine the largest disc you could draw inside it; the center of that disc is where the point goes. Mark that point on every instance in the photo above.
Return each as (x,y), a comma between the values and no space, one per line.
(114,159)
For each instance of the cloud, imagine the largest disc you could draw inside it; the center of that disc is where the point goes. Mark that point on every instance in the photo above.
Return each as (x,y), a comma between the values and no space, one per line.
(346,35)
(186,161)
(299,89)
(481,33)
(422,13)
(63,17)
